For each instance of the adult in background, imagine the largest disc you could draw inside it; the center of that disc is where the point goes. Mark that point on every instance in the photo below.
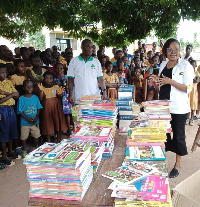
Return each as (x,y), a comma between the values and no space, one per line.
(175,81)
(188,51)
(85,74)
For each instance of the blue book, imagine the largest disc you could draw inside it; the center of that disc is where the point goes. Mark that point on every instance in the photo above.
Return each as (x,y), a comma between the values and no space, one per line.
(127,86)
(123,103)
(126,89)
(130,98)
(125,117)
(144,153)
(125,108)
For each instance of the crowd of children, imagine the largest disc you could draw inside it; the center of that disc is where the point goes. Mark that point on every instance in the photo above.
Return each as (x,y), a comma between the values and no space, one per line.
(34,85)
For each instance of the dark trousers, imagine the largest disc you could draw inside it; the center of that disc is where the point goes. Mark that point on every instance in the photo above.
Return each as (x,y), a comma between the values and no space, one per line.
(177,144)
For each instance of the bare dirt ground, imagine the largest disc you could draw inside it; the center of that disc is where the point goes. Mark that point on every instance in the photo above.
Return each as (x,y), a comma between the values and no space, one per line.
(14,187)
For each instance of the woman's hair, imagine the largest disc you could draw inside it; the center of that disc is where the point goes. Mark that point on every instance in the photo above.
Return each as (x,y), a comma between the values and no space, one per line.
(167,44)
(108,63)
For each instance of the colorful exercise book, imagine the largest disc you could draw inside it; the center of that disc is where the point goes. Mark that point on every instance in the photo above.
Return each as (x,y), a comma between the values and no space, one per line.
(156,103)
(150,188)
(93,133)
(96,147)
(98,110)
(130,173)
(146,152)
(40,152)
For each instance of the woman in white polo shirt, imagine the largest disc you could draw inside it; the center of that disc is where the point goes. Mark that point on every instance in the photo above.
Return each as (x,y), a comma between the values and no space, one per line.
(175,82)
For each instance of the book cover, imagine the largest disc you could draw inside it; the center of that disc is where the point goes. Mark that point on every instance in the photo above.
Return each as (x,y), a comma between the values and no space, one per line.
(148,153)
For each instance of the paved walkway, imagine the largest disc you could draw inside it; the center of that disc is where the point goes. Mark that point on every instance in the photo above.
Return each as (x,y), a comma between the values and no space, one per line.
(14,187)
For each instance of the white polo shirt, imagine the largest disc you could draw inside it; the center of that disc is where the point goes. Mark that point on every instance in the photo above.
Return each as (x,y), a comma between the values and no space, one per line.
(85,74)
(182,73)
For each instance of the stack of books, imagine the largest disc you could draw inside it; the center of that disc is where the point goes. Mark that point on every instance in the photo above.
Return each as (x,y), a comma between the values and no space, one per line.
(158,114)
(99,135)
(97,149)
(126,107)
(59,171)
(84,100)
(98,115)
(140,184)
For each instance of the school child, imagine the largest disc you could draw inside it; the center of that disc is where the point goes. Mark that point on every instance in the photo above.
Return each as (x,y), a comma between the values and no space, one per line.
(28,107)
(193,95)
(5,55)
(120,73)
(18,78)
(126,67)
(111,80)
(102,60)
(47,60)
(36,73)
(8,121)
(151,87)
(149,57)
(162,58)
(25,56)
(61,80)
(137,81)
(135,62)
(52,117)
(154,63)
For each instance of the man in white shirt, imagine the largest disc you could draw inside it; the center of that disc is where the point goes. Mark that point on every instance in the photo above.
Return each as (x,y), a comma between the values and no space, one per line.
(85,74)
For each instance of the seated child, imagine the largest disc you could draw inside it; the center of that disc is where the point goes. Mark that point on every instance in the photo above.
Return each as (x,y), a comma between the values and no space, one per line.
(111,80)
(18,78)
(8,121)
(28,107)
(137,81)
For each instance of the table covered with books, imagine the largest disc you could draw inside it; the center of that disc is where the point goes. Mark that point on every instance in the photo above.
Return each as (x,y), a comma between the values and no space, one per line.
(101,165)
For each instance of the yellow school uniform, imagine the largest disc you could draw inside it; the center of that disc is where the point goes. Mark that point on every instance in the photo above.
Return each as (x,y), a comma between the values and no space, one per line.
(7,86)
(17,80)
(194,94)
(52,92)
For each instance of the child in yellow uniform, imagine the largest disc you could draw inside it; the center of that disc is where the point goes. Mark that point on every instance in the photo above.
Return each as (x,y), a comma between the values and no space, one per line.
(8,121)
(111,80)
(52,116)
(194,94)
(18,78)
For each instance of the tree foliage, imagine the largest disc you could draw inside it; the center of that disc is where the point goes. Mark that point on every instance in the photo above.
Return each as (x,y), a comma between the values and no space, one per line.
(122,21)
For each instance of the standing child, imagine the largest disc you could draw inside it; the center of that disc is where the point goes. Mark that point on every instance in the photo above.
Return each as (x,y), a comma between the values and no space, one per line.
(120,73)
(193,95)
(29,107)
(52,117)
(111,80)
(154,63)
(18,78)
(36,73)
(61,80)
(137,81)
(8,121)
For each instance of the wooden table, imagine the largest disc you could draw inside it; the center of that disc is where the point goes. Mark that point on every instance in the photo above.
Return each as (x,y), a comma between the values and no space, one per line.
(97,194)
